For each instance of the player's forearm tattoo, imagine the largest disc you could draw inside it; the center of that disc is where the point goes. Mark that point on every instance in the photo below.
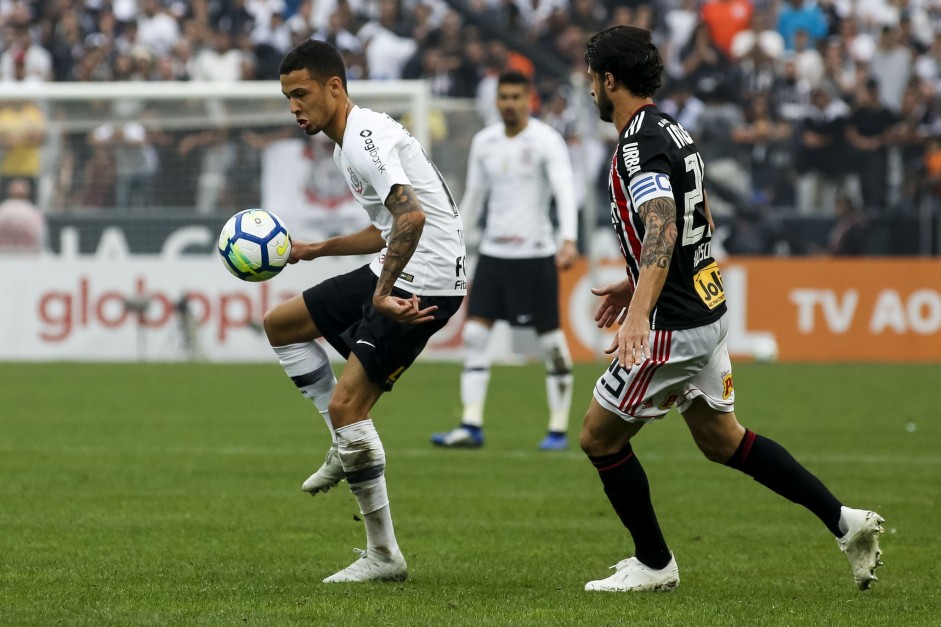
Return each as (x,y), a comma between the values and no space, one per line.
(659,216)
(408,222)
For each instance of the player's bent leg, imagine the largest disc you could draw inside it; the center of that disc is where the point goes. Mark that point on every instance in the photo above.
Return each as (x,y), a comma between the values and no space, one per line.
(290,323)
(717,434)
(605,438)
(559,380)
(363,459)
(770,464)
(291,332)
(475,377)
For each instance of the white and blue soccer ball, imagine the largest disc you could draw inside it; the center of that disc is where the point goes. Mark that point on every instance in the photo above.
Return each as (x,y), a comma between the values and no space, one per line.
(254,245)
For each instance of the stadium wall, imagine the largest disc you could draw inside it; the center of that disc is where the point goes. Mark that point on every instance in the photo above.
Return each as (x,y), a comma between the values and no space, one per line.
(114,306)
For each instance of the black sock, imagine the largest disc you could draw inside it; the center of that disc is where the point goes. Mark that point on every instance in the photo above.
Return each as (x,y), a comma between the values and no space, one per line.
(772,466)
(625,483)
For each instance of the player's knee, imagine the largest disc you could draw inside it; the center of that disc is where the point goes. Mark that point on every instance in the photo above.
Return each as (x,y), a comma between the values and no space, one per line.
(273,330)
(556,353)
(475,336)
(591,443)
(715,452)
(342,409)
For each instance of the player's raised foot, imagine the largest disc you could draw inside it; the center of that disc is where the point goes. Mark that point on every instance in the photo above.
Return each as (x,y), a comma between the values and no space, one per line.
(633,576)
(554,441)
(372,566)
(860,543)
(465,436)
(327,476)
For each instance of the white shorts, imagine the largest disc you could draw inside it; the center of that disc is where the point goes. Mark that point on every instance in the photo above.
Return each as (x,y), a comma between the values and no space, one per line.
(683,365)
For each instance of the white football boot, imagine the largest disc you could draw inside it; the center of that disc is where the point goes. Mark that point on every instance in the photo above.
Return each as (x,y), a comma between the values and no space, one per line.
(327,476)
(633,576)
(860,543)
(372,566)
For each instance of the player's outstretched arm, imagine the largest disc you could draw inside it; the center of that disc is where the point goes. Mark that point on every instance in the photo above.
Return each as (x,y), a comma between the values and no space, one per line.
(633,339)
(408,222)
(369,240)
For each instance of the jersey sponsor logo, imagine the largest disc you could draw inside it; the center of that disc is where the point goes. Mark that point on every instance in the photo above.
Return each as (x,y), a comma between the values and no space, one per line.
(727,386)
(708,284)
(365,133)
(407,277)
(635,124)
(373,151)
(366,343)
(630,155)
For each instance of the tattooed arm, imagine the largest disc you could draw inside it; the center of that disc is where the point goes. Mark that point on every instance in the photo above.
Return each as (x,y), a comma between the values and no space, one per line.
(408,221)
(659,216)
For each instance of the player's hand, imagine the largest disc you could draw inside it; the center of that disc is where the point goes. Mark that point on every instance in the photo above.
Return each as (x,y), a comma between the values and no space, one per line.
(632,341)
(303,251)
(568,253)
(404,310)
(617,298)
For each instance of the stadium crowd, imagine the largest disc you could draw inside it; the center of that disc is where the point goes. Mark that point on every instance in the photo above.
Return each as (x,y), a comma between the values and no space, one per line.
(814,107)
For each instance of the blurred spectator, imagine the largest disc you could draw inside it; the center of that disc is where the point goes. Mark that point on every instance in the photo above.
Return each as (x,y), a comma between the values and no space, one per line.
(135,162)
(850,234)
(22,225)
(682,105)
(221,62)
(791,95)
(156,30)
(871,126)
(24,60)
(757,51)
(801,15)
(703,64)
(22,132)
(821,158)
(767,138)
(680,21)
(724,19)
(718,122)
(891,66)
(807,60)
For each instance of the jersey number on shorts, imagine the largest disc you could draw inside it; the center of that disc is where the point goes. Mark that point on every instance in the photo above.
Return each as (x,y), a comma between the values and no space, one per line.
(617,373)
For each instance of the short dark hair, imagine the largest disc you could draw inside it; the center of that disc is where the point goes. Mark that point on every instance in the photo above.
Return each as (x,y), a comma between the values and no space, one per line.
(513,77)
(631,57)
(319,58)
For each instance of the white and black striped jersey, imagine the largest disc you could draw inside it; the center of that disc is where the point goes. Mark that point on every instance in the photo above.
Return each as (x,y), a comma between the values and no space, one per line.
(378,153)
(656,158)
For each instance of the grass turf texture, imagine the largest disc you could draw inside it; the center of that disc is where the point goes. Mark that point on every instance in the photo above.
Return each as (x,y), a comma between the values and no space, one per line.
(148,494)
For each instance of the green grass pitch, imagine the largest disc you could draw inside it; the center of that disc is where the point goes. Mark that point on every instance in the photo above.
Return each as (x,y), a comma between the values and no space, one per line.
(170,494)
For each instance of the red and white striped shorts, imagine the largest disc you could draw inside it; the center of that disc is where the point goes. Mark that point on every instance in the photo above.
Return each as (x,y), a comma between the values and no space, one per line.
(683,365)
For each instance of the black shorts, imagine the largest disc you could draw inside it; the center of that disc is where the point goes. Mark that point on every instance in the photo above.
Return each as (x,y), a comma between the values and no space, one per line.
(341,307)
(524,292)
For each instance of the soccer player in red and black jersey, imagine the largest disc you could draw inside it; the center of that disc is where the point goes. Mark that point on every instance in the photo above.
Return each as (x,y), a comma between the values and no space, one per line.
(671,345)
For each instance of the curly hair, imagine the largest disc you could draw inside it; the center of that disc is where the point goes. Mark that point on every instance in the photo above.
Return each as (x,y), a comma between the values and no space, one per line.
(629,54)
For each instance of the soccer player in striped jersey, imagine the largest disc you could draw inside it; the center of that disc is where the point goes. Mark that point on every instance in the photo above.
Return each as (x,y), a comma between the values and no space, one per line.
(671,344)
(516,168)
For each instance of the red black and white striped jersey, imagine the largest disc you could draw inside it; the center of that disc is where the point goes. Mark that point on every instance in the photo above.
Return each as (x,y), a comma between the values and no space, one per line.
(656,158)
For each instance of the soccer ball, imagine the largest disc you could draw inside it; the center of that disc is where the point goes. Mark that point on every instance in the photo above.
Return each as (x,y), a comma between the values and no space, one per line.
(255,245)
(764,349)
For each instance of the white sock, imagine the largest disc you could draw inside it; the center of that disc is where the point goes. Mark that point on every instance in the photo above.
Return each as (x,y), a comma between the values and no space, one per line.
(476,375)
(364,462)
(559,379)
(309,368)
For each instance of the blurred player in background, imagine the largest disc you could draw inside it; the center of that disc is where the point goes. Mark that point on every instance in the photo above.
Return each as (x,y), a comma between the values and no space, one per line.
(380,316)
(515,169)
(671,342)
